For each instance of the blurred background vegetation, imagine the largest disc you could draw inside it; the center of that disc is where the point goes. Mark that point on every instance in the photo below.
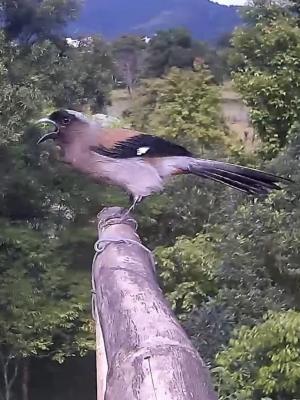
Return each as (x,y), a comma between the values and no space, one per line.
(228,264)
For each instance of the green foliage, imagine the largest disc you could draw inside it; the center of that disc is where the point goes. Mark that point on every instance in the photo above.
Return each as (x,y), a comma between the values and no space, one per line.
(171,48)
(44,306)
(31,20)
(128,55)
(216,58)
(81,77)
(43,78)
(263,360)
(188,272)
(224,261)
(176,48)
(20,99)
(40,300)
(184,106)
(258,269)
(266,71)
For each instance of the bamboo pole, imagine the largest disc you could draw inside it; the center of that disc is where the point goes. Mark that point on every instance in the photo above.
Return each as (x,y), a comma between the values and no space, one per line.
(149,355)
(101,361)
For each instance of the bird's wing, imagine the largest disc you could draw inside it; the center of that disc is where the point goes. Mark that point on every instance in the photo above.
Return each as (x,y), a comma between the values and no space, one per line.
(123,143)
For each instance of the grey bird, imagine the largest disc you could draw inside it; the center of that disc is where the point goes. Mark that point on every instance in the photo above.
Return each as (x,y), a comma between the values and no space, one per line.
(139,163)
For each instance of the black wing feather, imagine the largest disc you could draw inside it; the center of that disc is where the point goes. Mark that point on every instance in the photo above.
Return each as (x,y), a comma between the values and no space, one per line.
(248,180)
(158,147)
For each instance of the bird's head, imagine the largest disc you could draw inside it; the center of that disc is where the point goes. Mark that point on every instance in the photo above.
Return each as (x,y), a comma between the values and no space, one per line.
(65,124)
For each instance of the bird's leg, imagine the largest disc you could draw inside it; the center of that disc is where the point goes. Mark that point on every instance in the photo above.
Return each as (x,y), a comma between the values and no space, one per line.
(134,200)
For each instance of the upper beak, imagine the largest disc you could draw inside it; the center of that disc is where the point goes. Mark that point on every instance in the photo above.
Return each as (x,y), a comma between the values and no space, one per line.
(51,135)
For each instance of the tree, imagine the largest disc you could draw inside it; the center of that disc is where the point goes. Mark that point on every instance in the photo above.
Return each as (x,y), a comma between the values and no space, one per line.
(128,54)
(183,106)
(20,99)
(256,243)
(30,20)
(263,360)
(260,271)
(81,78)
(187,270)
(266,71)
(216,58)
(171,48)
(43,309)
(43,78)
(176,48)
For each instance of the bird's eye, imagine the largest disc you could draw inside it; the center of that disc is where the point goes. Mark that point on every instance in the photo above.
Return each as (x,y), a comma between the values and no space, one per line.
(66,120)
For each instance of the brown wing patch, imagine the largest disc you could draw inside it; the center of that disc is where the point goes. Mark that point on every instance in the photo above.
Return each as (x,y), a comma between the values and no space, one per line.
(179,171)
(111,136)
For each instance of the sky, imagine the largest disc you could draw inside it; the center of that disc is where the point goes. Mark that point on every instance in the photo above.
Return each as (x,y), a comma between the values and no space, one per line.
(229,2)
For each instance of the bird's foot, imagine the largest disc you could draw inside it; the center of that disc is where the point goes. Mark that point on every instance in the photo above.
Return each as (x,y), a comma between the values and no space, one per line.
(135,200)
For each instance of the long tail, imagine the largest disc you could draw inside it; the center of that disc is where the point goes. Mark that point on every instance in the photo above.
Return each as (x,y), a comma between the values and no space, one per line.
(248,180)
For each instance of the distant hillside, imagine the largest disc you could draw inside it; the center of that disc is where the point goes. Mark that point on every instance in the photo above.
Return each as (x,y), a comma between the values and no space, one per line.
(111,18)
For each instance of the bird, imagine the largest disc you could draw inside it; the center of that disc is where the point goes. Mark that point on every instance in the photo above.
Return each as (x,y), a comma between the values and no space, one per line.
(140,163)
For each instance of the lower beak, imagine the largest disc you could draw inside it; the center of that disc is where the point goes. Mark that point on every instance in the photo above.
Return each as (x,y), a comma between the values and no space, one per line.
(50,135)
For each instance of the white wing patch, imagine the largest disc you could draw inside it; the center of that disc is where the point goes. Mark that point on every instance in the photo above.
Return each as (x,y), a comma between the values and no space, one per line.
(142,150)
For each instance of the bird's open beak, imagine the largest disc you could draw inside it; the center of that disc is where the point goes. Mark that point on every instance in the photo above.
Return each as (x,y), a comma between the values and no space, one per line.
(51,135)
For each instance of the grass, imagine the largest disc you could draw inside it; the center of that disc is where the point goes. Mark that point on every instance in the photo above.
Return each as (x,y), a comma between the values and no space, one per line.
(120,101)
(236,117)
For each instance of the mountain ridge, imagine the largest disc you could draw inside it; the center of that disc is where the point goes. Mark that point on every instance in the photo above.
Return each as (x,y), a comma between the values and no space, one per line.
(205,19)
